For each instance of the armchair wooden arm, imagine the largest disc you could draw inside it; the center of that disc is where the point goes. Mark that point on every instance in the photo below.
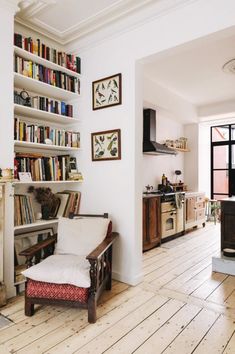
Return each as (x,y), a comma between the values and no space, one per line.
(35,250)
(103,246)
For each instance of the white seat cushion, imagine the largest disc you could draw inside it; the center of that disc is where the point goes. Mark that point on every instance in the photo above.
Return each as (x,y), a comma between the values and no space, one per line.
(80,236)
(61,269)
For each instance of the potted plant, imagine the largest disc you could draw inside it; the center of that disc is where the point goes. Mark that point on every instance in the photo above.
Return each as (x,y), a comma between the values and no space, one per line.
(48,200)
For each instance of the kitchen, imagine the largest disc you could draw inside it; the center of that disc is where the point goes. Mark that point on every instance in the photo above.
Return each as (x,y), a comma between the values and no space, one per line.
(169,209)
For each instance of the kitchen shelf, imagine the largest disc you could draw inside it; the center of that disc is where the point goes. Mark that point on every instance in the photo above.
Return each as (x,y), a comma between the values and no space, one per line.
(26,144)
(178,149)
(30,112)
(36,224)
(44,182)
(49,64)
(43,88)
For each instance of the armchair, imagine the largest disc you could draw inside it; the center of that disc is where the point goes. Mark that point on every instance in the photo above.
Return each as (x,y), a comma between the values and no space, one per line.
(66,276)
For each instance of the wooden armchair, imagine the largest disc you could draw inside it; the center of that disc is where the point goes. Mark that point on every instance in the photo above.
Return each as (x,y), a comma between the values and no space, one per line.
(46,292)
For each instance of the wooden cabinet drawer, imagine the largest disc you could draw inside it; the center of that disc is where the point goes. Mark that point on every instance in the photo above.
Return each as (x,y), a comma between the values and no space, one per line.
(200,199)
(200,205)
(200,214)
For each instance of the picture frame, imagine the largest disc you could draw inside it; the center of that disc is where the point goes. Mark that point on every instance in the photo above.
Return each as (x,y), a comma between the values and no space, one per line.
(106,145)
(107,92)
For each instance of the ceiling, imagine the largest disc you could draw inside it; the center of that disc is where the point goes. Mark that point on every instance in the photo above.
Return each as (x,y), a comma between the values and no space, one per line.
(194,70)
(66,20)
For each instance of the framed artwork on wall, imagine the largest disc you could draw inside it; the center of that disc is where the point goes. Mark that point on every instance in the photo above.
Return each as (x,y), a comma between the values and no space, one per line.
(107,92)
(106,145)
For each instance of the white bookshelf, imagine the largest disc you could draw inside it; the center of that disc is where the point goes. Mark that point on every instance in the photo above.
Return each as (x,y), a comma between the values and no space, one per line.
(24,144)
(24,82)
(49,64)
(46,118)
(25,111)
(46,182)
(37,224)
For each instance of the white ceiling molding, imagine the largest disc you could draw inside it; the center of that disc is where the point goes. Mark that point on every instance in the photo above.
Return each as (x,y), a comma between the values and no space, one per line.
(109,15)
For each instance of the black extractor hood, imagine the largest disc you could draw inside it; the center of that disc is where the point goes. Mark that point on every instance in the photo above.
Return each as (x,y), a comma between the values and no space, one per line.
(150,146)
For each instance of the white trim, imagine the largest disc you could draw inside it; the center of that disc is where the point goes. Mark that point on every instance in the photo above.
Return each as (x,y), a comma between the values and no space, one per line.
(124,278)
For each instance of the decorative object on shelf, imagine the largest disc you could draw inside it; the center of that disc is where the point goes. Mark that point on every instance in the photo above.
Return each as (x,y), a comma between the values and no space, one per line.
(23,98)
(181,143)
(49,201)
(6,174)
(148,189)
(106,145)
(25,177)
(107,92)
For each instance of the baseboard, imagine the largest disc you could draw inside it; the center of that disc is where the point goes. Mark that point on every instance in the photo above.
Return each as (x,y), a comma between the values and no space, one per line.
(127,279)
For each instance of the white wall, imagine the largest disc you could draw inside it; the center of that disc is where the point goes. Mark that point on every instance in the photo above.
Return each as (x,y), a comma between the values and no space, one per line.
(155,166)
(204,159)
(116,186)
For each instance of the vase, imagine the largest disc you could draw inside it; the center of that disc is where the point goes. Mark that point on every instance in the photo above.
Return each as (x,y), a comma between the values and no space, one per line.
(45,209)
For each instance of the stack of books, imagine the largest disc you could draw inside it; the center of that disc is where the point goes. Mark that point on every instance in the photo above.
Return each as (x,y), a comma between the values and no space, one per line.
(49,76)
(36,47)
(24,213)
(34,133)
(43,168)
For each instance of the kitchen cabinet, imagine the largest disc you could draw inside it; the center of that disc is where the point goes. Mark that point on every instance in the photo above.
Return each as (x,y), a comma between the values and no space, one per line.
(228,223)
(151,222)
(195,210)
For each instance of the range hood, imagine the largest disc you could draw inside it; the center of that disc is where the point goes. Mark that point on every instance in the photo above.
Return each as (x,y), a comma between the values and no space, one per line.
(150,146)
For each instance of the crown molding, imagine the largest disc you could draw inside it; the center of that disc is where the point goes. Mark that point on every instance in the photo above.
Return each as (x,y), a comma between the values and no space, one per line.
(118,12)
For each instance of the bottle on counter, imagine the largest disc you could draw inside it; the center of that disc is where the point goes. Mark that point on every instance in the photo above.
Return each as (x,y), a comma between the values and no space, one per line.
(164,180)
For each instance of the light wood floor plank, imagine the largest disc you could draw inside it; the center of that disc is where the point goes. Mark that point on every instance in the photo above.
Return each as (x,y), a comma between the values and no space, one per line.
(73,343)
(216,340)
(188,339)
(231,345)
(169,331)
(108,338)
(143,331)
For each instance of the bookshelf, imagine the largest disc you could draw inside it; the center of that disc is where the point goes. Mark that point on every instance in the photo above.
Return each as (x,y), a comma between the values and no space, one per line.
(24,82)
(58,121)
(49,117)
(24,144)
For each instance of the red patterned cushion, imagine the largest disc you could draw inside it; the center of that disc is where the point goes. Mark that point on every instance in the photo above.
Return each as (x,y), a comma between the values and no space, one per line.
(56,291)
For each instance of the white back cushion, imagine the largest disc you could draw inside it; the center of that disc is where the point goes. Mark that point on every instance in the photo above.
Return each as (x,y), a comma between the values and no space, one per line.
(80,236)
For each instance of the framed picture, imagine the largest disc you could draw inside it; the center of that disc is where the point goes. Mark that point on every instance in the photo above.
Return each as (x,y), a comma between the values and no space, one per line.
(106,145)
(107,92)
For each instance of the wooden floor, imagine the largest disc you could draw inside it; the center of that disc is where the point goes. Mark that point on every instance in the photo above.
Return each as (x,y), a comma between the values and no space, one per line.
(180,307)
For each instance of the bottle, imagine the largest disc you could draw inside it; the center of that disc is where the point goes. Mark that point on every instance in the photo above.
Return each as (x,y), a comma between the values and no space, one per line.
(164,180)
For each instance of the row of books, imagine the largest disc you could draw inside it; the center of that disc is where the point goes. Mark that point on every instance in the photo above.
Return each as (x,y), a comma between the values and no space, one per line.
(43,168)
(45,104)
(36,47)
(33,133)
(49,76)
(69,203)
(23,213)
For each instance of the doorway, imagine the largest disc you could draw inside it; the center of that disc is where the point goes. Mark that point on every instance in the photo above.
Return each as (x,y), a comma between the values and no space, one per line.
(222,161)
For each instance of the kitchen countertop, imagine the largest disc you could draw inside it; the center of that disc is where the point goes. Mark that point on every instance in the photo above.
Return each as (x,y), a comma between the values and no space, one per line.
(231,199)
